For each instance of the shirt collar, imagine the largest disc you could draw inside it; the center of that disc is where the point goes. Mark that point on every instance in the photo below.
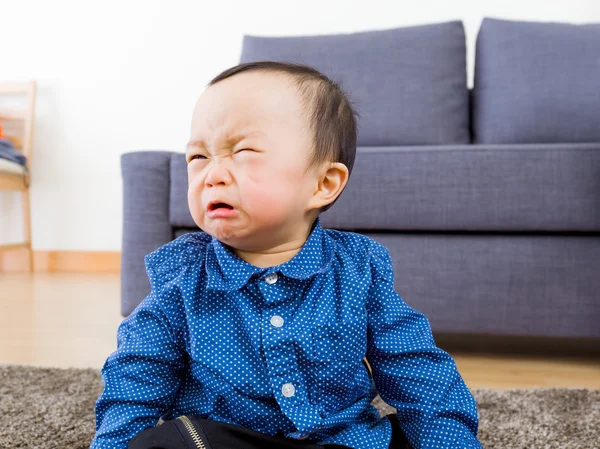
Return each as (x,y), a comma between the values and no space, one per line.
(227,271)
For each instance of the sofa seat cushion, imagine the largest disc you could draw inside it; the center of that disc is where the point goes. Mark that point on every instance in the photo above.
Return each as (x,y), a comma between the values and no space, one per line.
(549,187)
(408,84)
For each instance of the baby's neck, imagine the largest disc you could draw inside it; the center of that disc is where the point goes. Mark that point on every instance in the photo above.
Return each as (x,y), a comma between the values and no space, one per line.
(276,255)
(264,260)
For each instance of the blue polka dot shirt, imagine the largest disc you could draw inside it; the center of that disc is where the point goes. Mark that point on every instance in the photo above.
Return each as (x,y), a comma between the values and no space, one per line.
(280,350)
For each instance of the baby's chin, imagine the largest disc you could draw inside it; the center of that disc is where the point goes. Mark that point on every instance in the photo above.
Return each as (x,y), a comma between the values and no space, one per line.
(245,232)
(225,232)
(239,239)
(232,233)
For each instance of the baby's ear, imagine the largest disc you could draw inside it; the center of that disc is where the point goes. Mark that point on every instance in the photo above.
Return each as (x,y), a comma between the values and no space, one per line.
(330,184)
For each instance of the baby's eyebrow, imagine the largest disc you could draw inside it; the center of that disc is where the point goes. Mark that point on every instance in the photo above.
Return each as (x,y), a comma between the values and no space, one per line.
(232,139)
(195,143)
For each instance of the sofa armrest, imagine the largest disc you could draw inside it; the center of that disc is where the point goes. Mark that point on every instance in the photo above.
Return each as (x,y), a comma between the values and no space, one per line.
(146,226)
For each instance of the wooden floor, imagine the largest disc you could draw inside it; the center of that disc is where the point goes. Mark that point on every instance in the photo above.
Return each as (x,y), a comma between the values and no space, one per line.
(70,320)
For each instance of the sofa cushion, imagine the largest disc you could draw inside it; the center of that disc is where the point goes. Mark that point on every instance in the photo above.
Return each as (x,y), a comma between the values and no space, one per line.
(506,284)
(550,187)
(408,84)
(536,82)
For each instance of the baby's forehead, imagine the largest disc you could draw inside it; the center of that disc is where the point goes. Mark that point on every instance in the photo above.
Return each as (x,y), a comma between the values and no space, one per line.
(255,88)
(248,103)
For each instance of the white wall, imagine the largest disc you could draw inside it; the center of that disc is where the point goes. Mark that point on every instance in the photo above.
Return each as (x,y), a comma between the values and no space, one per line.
(117,76)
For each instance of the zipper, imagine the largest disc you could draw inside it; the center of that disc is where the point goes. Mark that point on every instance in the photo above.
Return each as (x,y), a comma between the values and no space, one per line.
(193,432)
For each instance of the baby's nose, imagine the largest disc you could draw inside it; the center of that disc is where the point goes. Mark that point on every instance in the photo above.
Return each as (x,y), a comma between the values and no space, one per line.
(218,174)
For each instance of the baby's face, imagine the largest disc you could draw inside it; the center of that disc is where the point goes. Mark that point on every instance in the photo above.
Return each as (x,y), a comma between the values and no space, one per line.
(249,149)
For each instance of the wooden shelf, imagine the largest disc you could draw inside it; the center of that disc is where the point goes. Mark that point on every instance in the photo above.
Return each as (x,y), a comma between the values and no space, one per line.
(12,88)
(17,126)
(12,181)
(12,116)
(11,246)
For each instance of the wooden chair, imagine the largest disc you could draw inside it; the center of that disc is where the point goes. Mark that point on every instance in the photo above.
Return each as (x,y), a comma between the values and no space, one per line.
(18,128)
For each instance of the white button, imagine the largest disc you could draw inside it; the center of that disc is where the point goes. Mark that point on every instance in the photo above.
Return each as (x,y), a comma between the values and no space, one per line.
(271,278)
(288,390)
(277,321)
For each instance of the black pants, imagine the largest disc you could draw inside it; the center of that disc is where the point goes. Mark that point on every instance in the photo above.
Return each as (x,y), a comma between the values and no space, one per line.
(196,433)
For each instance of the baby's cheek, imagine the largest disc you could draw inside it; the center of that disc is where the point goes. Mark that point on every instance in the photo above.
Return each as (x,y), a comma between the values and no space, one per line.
(266,194)
(194,196)
(268,188)
(260,195)
(195,207)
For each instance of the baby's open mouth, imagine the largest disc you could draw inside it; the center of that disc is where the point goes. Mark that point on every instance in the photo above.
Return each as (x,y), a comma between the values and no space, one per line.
(215,206)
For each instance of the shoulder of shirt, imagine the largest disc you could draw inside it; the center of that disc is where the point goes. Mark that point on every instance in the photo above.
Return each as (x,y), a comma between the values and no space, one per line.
(185,250)
(363,248)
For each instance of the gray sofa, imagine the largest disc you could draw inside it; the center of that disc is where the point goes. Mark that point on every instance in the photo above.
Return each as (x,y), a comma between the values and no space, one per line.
(488,199)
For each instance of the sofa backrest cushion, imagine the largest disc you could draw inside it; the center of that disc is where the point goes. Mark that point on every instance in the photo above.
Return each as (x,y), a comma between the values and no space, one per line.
(407,84)
(536,83)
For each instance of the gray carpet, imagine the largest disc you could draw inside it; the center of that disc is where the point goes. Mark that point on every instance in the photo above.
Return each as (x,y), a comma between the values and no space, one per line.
(54,408)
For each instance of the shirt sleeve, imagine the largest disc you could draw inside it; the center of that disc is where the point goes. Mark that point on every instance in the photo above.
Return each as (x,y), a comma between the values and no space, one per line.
(141,378)
(435,408)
